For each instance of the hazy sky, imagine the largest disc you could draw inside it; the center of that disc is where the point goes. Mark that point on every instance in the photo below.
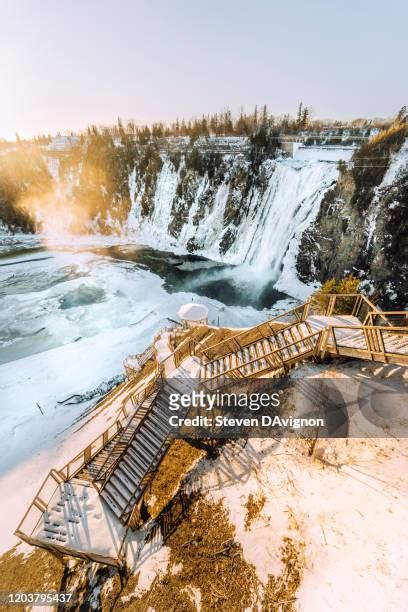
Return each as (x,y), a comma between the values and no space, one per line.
(67,63)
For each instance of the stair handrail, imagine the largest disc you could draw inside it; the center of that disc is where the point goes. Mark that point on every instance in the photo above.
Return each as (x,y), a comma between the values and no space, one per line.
(140,358)
(146,354)
(147,471)
(39,502)
(328,309)
(374,341)
(304,309)
(269,322)
(384,315)
(88,453)
(160,382)
(148,390)
(273,352)
(273,334)
(186,349)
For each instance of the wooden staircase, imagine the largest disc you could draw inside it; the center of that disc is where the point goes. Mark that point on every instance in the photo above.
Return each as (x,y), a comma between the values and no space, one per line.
(273,353)
(273,346)
(122,460)
(100,465)
(122,485)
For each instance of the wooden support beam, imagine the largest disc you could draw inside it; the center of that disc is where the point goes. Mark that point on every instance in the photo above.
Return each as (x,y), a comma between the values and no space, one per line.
(381,343)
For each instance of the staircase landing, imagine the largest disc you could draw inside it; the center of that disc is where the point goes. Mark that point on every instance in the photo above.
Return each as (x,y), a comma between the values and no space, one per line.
(319,322)
(76,518)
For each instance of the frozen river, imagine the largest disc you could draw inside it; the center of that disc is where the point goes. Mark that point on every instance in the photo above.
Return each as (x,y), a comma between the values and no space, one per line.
(51,298)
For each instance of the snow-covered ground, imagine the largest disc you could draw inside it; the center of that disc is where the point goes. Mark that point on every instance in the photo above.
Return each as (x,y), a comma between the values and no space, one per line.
(351,519)
(332,153)
(346,507)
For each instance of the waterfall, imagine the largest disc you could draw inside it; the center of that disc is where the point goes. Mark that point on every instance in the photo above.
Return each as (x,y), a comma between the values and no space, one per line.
(290,203)
(272,217)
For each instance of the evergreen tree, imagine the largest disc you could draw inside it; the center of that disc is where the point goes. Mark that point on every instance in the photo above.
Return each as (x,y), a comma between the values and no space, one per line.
(255,117)
(305,117)
(402,116)
(300,114)
(214,125)
(264,119)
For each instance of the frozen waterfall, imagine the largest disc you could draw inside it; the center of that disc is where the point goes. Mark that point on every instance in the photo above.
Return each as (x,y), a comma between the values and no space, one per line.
(270,219)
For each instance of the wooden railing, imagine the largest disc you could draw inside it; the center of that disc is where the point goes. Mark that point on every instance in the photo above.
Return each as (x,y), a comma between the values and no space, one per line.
(387,344)
(57,477)
(187,342)
(39,505)
(395,318)
(140,358)
(327,304)
(108,466)
(188,347)
(31,521)
(147,477)
(87,454)
(277,359)
(146,390)
(253,334)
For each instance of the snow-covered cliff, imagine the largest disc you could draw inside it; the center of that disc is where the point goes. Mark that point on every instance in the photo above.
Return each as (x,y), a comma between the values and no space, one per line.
(233,217)
(293,222)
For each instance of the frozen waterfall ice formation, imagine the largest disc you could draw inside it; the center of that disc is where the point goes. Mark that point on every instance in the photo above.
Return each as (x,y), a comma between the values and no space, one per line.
(271,217)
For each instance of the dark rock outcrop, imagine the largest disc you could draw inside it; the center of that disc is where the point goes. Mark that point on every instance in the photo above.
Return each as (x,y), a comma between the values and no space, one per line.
(362,225)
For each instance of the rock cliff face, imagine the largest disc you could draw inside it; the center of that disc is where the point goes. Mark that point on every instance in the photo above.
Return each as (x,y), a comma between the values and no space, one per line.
(362,224)
(229,209)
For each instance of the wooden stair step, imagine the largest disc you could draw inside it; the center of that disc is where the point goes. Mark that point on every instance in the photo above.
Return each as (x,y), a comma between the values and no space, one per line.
(141,445)
(112,503)
(233,360)
(123,483)
(149,437)
(143,461)
(159,413)
(127,476)
(134,467)
(158,427)
(120,498)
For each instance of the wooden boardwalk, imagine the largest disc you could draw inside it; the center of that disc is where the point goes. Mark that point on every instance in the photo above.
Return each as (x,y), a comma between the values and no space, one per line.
(308,331)
(121,462)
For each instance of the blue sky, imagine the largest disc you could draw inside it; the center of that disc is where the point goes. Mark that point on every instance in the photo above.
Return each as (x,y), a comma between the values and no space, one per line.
(66,64)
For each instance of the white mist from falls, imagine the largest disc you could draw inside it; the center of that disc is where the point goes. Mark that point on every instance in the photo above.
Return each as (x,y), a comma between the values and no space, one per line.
(267,237)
